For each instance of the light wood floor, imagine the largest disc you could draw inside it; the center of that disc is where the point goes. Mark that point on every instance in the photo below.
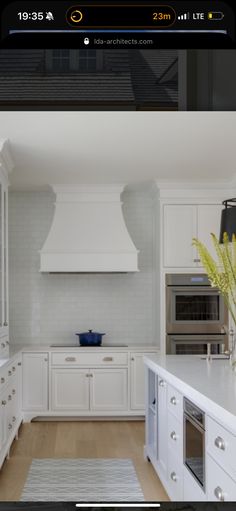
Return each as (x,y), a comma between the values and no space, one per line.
(78,440)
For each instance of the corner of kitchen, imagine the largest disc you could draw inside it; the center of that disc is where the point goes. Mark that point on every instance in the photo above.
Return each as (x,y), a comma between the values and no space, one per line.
(117,379)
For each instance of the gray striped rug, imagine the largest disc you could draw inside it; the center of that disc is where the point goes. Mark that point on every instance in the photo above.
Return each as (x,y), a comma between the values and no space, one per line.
(82,480)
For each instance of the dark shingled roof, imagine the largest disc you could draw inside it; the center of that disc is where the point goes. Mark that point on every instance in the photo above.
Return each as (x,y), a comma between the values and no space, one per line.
(129,76)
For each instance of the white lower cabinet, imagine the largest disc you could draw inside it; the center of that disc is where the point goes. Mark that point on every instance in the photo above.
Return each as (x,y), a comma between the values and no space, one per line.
(175,476)
(70,389)
(10,406)
(35,382)
(89,389)
(109,389)
(220,486)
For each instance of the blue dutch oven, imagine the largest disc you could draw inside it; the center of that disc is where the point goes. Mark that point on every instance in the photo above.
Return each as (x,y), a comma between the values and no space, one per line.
(90,338)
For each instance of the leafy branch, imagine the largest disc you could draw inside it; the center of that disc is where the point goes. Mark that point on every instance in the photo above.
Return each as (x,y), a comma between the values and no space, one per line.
(222,271)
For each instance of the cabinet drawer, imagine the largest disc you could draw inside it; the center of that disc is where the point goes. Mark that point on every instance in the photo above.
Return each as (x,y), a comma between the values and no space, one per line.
(105,358)
(175,436)
(221,445)
(175,402)
(175,476)
(220,486)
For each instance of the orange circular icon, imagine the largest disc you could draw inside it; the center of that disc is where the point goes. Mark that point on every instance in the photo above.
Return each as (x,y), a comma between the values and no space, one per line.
(76,16)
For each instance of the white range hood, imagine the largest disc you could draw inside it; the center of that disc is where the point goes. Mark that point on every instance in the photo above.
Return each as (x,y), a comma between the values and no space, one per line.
(88,232)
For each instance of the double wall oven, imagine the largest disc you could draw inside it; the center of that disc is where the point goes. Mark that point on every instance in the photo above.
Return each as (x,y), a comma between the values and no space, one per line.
(196,316)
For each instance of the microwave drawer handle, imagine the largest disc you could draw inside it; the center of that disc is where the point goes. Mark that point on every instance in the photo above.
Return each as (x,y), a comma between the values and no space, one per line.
(70,359)
(219,494)
(219,442)
(108,359)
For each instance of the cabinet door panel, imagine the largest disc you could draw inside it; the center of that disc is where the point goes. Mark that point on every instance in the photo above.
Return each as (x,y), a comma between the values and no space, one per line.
(180,226)
(35,381)
(70,389)
(109,389)
(208,220)
(162,424)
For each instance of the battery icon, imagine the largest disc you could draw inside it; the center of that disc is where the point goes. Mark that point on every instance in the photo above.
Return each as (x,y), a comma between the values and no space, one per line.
(214,15)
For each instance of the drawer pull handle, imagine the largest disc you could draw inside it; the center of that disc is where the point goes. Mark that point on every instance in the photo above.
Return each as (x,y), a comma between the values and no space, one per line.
(9,397)
(10,373)
(219,494)
(108,359)
(70,359)
(161,383)
(19,364)
(173,476)
(2,380)
(173,400)
(13,419)
(219,442)
(13,391)
(197,260)
(4,402)
(173,435)
(13,369)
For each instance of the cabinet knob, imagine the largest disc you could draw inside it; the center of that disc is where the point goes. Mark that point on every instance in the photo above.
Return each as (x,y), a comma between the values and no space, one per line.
(2,380)
(5,323)
(173,435)
(173,476)
(13,419)
(219,494)
(108,359)
(70,359)
(13,391)
(9,397)
(4,402)
(161,383)
(219,442)
(197,260)
(173,400)
(19,364)
(13,369)
(132,358)
(9,373)
(9,426)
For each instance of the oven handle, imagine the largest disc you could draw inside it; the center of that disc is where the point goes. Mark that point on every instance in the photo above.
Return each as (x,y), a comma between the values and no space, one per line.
(194,422)
(194,289)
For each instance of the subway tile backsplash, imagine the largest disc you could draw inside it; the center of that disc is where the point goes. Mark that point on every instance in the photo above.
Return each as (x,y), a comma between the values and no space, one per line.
(48,308)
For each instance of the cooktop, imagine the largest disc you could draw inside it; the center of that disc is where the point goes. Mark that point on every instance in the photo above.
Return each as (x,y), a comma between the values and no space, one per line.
(78,346)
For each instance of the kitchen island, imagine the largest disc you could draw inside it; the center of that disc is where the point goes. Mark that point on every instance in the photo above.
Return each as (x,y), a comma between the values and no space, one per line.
(195,459)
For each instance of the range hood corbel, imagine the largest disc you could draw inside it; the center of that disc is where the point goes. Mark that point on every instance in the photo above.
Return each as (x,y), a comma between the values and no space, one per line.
(88,232)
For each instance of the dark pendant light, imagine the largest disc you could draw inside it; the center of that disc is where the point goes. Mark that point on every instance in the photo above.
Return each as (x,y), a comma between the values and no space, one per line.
(228,219)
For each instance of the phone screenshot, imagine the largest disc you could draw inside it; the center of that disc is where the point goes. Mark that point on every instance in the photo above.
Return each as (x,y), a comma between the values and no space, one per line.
(117,255)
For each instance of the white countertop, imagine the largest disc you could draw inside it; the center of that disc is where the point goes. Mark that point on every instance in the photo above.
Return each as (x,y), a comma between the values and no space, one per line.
(17,349)
(209,384)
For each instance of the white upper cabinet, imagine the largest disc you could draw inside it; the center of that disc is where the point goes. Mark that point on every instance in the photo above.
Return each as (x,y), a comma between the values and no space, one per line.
(182,223)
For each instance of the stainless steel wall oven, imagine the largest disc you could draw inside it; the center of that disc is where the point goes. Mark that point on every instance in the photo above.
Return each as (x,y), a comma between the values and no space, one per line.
(195,315)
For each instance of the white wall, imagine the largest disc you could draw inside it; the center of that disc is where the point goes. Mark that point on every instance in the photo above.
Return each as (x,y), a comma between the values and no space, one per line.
(51,308)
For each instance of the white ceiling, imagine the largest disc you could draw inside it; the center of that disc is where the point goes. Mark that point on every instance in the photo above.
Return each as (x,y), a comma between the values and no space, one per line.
(118,147)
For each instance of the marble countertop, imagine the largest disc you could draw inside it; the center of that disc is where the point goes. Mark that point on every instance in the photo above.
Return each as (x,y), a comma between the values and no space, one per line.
(209,384)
